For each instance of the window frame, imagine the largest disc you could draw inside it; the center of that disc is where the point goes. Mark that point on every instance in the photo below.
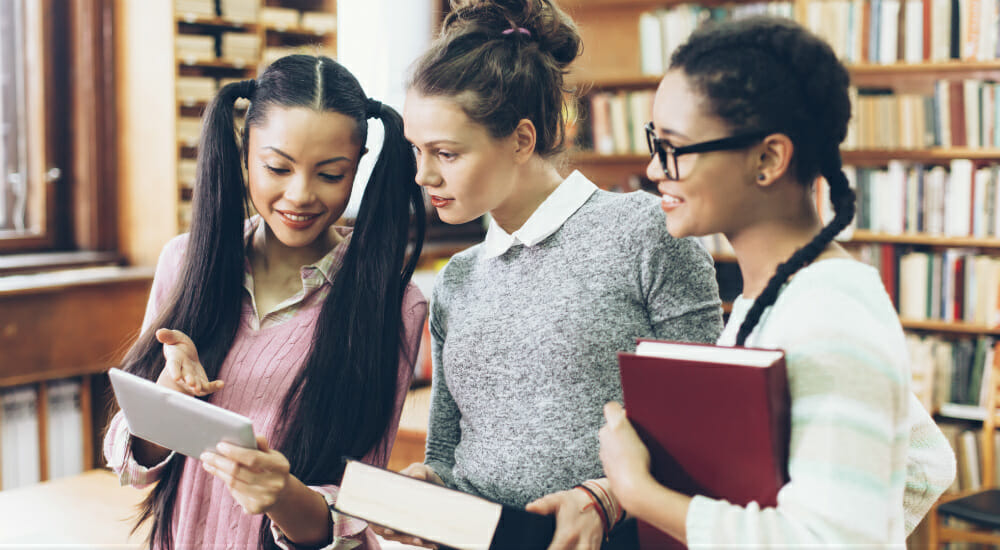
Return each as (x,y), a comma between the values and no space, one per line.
(70,101)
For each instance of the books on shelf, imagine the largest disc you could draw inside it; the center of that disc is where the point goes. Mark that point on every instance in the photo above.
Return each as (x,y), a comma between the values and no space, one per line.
(438,514)
(187,172)
(958,199)
(617,121)
(661,31)
(912,31)
(675,393)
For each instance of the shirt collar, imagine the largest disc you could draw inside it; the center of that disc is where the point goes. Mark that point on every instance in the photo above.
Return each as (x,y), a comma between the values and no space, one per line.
(326,266)
(562,203)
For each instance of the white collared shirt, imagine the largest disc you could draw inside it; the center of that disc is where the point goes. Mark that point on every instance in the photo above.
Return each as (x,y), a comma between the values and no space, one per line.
(562,203)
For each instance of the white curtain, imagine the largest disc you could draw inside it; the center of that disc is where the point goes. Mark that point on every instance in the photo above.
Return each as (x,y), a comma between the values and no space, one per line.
(378,40)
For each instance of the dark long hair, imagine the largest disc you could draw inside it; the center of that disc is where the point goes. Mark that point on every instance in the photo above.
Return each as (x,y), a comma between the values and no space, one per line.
(767,72)
(342,400)
(503,61)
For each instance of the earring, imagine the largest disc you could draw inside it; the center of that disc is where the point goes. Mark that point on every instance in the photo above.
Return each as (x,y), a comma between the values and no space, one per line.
(761,177)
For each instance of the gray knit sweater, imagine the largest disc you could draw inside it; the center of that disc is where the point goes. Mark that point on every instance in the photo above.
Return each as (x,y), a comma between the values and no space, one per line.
(525,343)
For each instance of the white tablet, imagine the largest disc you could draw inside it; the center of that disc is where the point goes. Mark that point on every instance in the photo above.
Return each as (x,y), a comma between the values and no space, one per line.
(175,420)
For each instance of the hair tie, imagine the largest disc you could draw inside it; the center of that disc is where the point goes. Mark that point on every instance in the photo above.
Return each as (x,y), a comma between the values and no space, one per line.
(246,88)
(521,30)
(373,108)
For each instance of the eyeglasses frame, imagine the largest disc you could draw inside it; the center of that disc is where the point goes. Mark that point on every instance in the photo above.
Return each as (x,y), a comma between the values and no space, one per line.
(661,148)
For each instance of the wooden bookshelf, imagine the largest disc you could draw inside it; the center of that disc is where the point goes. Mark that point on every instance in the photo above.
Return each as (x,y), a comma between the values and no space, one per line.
(863,236)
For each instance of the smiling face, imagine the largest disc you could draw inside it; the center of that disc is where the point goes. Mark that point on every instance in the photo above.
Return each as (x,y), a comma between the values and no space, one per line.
(714,190)
(301,167)
(465,170)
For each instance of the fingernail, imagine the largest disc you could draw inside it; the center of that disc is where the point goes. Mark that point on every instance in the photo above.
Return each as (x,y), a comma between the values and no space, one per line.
(205,457)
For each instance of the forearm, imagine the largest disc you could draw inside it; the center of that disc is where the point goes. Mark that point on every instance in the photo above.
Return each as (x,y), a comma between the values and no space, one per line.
(302,515)
(660,507)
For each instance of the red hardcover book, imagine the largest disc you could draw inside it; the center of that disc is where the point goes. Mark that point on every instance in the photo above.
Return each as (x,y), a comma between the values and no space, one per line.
(715,420)
(956,98)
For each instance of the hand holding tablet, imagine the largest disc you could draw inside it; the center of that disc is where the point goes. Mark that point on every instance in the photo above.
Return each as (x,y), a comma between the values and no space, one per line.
(175,420)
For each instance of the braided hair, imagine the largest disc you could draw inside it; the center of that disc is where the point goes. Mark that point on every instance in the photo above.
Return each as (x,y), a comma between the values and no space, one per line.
(768,72)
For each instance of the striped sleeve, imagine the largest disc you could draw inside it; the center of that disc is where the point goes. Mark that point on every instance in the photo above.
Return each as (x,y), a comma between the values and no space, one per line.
(849,439)
(930,465)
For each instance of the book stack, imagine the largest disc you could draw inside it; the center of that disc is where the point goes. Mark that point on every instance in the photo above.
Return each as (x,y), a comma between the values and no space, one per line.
(196,89)
(19,437)
(188,130)
(240,10)
(187,170)
(65,429)
(192,48)
(194,8)
(279,18)
(318,22)
(240,47)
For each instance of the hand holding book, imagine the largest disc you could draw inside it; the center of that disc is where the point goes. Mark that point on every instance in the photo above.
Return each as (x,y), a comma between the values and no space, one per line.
(422,472)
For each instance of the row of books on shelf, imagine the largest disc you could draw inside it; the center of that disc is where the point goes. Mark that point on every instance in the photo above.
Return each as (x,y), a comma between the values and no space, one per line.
(957,285)
(949,374)
(236,10)
(20,450)
(662,30)
(957,200)
(235,47)
(959,113)
(966,442)
(910,31)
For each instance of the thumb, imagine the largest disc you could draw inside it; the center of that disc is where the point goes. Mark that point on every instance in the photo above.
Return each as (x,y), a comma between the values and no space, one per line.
(167,336)
(544,506)
(614,413)
(262,443)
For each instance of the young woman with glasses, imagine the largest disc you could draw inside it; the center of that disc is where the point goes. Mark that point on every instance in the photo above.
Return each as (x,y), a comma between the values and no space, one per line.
(749,114)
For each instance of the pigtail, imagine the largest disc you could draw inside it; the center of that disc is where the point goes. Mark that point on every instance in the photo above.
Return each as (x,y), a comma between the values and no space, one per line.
(205,303)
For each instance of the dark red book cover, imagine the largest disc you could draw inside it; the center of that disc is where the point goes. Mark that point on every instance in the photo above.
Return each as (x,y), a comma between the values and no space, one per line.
(713,427)
(956,106)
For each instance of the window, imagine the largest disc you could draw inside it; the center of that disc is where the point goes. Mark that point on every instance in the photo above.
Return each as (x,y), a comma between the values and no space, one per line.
(14,216)
(57,183)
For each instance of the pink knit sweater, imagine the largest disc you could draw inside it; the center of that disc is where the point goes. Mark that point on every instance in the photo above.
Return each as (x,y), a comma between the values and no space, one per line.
(258,372)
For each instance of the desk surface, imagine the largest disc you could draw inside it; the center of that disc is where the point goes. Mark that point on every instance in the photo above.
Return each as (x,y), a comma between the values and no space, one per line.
(86,511)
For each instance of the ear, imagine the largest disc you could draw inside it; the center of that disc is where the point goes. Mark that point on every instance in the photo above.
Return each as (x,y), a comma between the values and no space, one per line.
(774,158)
(524,141)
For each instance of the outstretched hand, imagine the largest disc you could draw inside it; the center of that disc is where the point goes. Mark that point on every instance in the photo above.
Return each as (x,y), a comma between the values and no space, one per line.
(183,371)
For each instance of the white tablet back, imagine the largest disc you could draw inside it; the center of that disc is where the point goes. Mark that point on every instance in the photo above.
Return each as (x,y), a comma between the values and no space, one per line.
(177,421)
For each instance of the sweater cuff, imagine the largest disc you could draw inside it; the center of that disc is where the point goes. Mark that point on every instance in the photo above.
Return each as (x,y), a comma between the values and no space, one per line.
(698,522)
(118,450)
(347,532)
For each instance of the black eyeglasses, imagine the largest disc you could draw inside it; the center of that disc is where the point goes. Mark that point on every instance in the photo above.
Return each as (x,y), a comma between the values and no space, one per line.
(668,153)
